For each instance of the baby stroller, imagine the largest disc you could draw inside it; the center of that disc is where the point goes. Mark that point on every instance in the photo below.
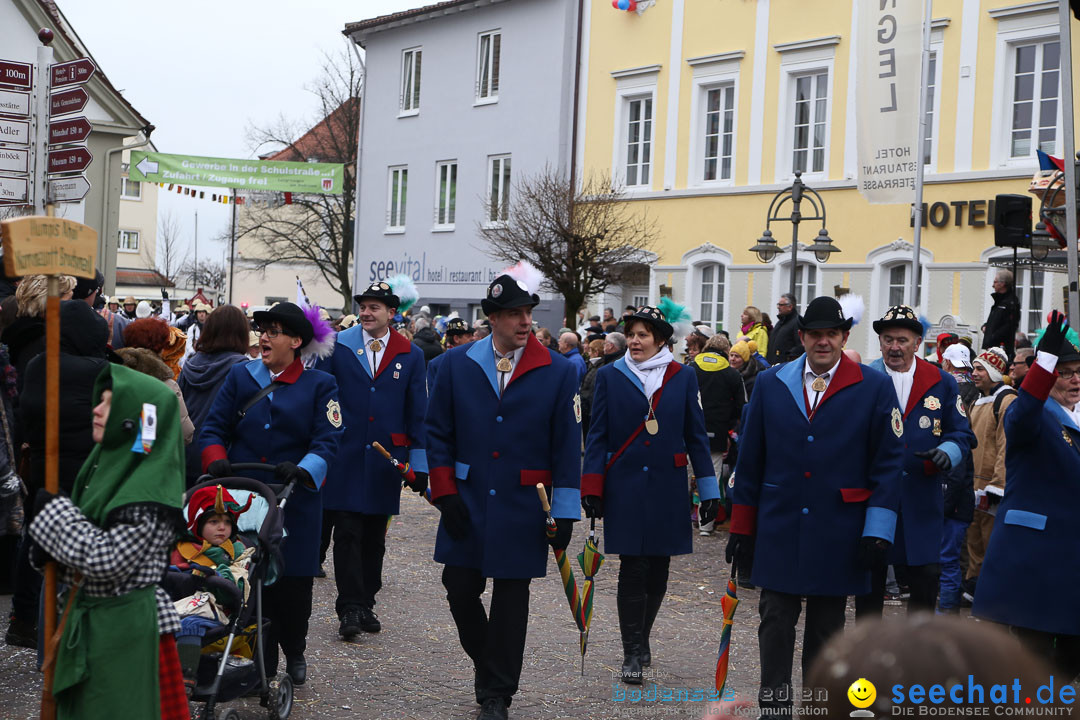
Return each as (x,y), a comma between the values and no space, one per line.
(225,672)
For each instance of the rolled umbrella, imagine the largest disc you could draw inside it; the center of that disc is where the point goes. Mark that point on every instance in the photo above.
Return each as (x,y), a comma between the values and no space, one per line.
(565,571)
(408,477)
(728,603)
(590,559)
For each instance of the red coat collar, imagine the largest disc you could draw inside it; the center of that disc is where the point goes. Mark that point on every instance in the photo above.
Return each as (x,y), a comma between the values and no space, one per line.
(847,373)
(292,373)
(395,345)
(534,356)
(926,377)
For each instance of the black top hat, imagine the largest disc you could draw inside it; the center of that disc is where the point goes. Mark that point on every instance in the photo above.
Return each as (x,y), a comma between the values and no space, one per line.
(653,317)
(457,326)
(900,316)
(380,291)
(505,293)
(292,319)
(1069,353)
(824,313)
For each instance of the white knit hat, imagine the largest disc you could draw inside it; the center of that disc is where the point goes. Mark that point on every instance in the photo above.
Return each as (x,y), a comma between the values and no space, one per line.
(143,309)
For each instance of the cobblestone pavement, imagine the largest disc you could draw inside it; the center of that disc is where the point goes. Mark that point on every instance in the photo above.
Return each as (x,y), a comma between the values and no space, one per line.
(415,668)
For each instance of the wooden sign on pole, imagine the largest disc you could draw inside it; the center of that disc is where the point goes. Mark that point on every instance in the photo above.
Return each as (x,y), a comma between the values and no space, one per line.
(48,246)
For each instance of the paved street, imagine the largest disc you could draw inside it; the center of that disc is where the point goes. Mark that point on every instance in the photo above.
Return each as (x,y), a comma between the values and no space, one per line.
(415,667)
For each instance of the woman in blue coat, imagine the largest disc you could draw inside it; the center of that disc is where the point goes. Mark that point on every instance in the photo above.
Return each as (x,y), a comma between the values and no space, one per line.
(296,427)
(647,425)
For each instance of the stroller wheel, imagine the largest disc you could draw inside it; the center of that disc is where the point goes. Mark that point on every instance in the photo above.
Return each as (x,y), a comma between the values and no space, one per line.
(281,697)
(229,714)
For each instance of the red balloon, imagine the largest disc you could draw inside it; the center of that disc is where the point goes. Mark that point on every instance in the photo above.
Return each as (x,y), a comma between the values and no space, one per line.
(633,7)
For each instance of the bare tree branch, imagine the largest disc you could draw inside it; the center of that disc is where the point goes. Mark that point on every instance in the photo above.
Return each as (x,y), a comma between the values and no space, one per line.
(171,254)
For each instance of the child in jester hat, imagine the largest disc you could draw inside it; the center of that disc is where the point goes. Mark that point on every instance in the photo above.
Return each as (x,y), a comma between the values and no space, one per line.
(211,549)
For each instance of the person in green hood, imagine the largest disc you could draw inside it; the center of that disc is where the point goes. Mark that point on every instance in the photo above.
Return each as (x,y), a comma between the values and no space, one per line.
(117,654)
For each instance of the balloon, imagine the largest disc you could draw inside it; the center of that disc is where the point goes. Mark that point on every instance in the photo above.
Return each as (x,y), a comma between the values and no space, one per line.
(633,6)
(624,4)
(615,4)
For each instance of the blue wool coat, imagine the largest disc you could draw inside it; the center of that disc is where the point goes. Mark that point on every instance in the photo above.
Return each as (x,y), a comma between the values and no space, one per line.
(1028,578)
(646,492)
(934,418)
(493,451)
(300,423)
(388,409)
(810,485)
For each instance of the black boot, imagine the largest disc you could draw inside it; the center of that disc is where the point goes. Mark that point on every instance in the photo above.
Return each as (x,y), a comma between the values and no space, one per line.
(652,607)
(631,626)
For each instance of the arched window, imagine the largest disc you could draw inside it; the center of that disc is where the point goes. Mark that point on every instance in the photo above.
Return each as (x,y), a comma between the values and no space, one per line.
(712,277)
(806,283)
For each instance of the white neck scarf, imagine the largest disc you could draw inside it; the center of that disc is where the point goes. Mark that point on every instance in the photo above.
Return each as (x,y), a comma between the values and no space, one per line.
(650,372)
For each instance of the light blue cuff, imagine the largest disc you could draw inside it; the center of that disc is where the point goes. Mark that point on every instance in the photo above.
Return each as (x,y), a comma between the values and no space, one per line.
(708,488)
(880,523)
(418,460)
(952,450)
(566,503)
(461,470)
(316,468)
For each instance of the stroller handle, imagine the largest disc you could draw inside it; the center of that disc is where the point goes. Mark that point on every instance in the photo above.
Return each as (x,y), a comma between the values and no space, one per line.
(272,493)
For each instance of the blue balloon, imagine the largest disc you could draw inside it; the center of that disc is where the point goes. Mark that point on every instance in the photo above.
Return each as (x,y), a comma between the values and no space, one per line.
(624,4)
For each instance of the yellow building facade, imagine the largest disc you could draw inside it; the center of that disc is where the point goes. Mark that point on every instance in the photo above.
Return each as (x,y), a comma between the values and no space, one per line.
(704,109)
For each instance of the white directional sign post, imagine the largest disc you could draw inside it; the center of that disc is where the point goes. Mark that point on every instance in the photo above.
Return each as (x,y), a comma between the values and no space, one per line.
(15,132)
(14,160)
(69,189)
(66,136)
(13,102)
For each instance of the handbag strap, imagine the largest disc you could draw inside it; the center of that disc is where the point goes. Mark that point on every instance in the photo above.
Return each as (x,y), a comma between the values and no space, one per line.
(637,430)
(259,396)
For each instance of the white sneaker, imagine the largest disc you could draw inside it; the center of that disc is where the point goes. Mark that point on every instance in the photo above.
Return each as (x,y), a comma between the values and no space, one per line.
(706,529)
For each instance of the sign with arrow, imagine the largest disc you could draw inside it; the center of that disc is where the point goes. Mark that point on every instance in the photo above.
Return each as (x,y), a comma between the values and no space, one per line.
(13,190)
(72,130)
(69,189)
(67,101)
(147,167)
(75,72)
(13,102)
(16,74)
(65,160)
(15,131)
(14,160)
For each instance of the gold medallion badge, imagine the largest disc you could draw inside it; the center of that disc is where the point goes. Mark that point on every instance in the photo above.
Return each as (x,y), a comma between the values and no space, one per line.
(932,403)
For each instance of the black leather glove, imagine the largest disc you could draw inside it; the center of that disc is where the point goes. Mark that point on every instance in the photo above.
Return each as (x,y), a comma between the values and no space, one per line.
(455,516)
(164,294)
(871,552)
(42,498)
(740,550)
(1053,340)
(564,528)
(937,456)
(287,472)
(707,511)
(419,484)
(593,505)
(219,468)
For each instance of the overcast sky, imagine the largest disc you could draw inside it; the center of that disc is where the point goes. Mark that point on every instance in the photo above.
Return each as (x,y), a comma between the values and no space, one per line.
(202,72)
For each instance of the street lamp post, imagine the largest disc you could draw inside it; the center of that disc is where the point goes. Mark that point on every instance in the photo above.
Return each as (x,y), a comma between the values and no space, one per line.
(766,248)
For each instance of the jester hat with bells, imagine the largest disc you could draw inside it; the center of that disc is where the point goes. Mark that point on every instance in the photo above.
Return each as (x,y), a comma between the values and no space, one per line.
(209,501)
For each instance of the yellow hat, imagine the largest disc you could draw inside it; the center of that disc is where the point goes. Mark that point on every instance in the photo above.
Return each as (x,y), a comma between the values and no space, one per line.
(347,321)
(183,307)
(744,349)
(202,306)
(130,300)
(253,338)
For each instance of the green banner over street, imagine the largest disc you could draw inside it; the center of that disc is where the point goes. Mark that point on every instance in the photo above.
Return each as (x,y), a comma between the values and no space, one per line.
(269,176)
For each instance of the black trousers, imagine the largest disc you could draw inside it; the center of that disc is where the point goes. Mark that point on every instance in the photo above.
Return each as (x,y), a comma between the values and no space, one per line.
(27,583)
(359,547)
(921,579)
(494,640)
(287,605)
(327,534)
(642,575)
(1061,651)
(776,641)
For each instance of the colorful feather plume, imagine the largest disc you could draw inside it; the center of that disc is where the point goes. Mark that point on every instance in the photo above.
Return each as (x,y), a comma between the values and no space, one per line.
(853,306)
(322,341)
(406,291)
(526,273)
(678,316)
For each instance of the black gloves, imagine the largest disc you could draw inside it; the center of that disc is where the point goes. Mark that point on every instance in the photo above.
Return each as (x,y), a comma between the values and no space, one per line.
(219,468)
(707,511)
(740,549)
(871,552)
(455,516)
(564,528)
(593,505)
(419,484)
(288,472)
(937,456)
(41,499)
(1053,340)
(164,294)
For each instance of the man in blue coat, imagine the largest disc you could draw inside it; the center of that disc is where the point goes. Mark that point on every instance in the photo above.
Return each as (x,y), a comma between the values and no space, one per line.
(1028,579)
(937,437)
(504,416)
(272,410)
(458,333)
(384,399)
(816,489)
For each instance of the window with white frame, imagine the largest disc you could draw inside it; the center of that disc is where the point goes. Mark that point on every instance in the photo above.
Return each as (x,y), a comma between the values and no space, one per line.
(396,196)
(806,278)
(898,280)
(640,300)
(499,188)
(639,137)
(1035,86)
(410,80)
(130,189)
(445,194)
(719,130)
(1031,291)
(487,66)
(711,308)
(810,122)
(128,241)
(931,111)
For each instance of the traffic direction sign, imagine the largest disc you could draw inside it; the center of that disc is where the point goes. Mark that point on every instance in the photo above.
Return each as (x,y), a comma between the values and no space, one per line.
(72,130)
(65,160)
(14,160)
(67,101)
(13,190)
(15,131)
(16,74)
(13,102)
(75,72)
(68,189)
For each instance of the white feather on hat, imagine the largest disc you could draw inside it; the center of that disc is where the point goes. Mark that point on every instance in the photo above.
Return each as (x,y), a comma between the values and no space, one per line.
(526,273)
(853,306)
